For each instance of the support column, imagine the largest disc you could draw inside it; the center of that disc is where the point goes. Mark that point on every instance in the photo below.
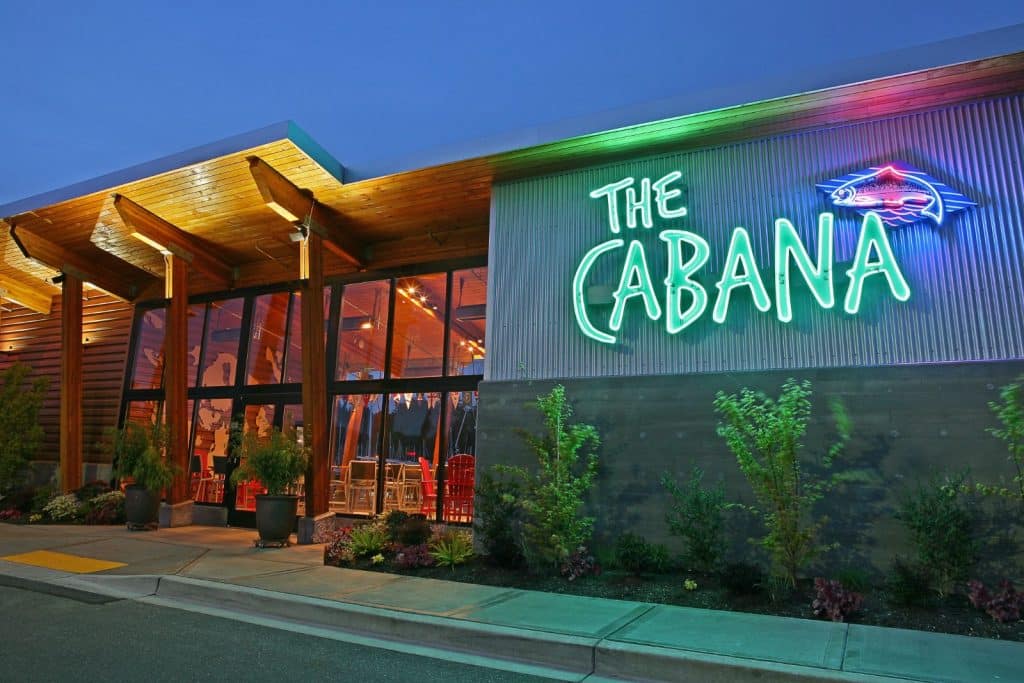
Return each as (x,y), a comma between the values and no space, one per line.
(71,383)
(314,380)
(176,377)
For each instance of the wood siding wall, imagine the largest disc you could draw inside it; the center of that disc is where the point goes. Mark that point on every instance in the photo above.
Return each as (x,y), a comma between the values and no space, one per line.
(34,339)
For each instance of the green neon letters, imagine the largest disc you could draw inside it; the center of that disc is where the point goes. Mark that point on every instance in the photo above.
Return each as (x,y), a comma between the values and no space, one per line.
(679,279)
(874,256)
(819,279)
(740,255)
(873,236)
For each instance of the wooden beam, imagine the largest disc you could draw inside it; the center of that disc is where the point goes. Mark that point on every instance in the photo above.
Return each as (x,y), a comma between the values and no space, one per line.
(166,237)
(71,384)
(33,296)
(297,205)
(176,377)
(314,382)
(86,268)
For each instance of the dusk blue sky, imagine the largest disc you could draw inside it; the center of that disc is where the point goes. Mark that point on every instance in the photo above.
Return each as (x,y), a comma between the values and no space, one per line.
(90,88)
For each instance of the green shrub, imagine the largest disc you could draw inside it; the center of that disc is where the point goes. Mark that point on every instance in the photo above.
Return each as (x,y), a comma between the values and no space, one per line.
(452,548)
(20,433)
(698,516)
(855,579)
(43,495)
(367,540)
(91,489)
(497,517)
(276,461)
(908,584)
(106,508)
(634,554)
(414,531)
(941,529)
(764,435)
(553,494)
(1009,410)
(138,451)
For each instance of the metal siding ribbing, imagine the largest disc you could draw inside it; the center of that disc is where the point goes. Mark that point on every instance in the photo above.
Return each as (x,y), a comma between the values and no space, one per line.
(967,300)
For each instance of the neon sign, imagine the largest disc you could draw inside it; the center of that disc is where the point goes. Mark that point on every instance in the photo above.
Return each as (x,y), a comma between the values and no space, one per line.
(688,253)
(899,193)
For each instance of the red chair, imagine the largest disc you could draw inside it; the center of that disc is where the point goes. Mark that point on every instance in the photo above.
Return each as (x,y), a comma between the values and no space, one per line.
(459,482)
(428,490)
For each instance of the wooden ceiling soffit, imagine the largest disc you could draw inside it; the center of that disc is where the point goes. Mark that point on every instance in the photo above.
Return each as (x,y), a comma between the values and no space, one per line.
(87,268)
(296,205)
(169,238)
(29,295)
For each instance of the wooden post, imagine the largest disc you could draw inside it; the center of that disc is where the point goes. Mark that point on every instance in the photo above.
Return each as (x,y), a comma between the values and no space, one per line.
(314,381)
(176,375)
(71,384)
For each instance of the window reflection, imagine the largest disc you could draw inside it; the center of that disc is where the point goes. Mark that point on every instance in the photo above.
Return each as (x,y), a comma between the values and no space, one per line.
(468,315)
(266,340)
(418,332)
(223,331)
(196,319)
(149,350)
(362,330)
(355,432)
(293,369)
(142,412)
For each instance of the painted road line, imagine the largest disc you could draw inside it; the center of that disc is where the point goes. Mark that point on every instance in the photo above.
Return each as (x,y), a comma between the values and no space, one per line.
(63,562)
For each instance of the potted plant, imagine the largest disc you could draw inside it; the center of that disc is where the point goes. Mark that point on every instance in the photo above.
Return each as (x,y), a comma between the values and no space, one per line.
(277,462)
(138,453)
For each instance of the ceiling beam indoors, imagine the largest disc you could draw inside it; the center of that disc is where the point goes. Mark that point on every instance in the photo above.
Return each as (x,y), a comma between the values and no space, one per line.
(89,269)
(168,238)
(300,207)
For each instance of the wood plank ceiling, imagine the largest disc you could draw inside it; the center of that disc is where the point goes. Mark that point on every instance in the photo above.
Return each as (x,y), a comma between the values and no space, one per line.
(429,214)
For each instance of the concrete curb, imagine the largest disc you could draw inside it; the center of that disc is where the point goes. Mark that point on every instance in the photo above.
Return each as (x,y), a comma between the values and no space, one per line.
(568,653)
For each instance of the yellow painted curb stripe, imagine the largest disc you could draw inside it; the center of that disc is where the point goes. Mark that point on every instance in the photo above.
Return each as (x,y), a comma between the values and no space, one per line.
(63,562)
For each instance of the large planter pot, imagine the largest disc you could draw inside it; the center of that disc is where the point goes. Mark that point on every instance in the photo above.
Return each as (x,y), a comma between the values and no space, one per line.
(275,518)
(141,507)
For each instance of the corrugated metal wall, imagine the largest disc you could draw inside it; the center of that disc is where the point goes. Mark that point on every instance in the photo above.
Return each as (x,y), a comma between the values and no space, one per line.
(966,277)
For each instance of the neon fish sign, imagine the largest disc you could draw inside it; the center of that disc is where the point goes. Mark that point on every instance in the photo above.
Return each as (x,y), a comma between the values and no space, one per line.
(740,270)
(899,193)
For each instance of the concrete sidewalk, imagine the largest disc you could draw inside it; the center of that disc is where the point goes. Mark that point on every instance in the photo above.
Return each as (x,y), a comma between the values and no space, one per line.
(218,571)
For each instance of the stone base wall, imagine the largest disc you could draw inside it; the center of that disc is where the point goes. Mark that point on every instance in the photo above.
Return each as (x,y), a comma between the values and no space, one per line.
(908,422)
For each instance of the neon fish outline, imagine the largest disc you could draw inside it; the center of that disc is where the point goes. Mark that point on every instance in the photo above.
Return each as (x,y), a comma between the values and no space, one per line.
(914,195)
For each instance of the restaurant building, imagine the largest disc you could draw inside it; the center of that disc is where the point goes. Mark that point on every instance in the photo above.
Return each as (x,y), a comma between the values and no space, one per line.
(868,237)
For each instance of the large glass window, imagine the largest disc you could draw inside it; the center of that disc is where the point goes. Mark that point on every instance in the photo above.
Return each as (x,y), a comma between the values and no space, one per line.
(196,320)
(363,330)
(293,356)
(356,423)
(467,319)
(220,347)
(149,350)
(418,333)
(266,340)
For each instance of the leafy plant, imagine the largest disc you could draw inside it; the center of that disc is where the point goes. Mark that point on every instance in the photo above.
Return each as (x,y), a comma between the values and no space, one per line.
(764,435)
(940,528)
(368,539)
(497,517)
(43,495)
(452,548)
(909,585)
(553,495)
(276,461)
(742,578)
(855,579)
(698,515)
(634,554)
(414,531)
(10,515)
(20,432)
(138,452)
(91,489)
(66,508)
(1005,606)
(413,556)
(1009,410)
(580,563)
(106,508)
(834,601)
(337,550)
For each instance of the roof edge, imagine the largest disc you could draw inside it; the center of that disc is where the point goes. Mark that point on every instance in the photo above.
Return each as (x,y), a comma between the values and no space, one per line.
(189,157)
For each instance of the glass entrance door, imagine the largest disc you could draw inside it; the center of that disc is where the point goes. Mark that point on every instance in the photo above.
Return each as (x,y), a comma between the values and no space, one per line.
(261,415)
